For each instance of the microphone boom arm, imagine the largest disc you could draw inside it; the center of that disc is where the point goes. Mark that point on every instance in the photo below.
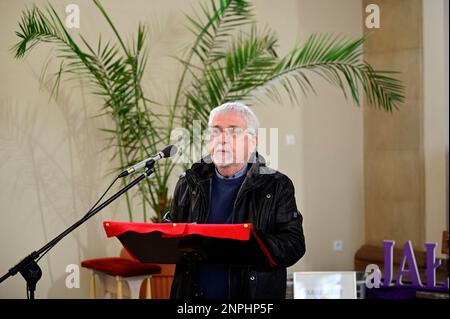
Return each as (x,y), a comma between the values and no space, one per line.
(28,266)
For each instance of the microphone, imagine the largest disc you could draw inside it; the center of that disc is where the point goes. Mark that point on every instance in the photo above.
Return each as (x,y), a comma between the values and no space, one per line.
(168,151)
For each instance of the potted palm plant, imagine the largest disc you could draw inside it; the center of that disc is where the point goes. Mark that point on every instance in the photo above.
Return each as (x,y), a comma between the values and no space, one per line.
(230,59)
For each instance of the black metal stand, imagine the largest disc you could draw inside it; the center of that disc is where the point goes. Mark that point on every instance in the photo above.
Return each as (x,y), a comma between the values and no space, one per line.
(193,260)
(28,266)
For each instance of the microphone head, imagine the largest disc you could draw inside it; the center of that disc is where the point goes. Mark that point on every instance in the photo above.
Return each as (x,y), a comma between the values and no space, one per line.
(169,151)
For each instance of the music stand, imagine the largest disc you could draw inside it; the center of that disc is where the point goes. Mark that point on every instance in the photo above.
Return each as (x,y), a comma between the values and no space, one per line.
(192,244)
(176,243)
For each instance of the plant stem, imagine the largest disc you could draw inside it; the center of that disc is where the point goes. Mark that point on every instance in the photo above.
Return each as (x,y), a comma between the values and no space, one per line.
(122,164)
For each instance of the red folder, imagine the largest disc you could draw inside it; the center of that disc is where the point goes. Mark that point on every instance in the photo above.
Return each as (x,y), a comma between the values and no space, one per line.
(171,243)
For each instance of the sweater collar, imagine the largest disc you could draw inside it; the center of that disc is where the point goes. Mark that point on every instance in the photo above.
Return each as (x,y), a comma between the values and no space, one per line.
(241,173)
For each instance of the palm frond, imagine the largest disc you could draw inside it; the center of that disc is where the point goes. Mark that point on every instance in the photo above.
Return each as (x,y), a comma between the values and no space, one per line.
(340,62)
(213,30)
(35,27)
(247,64)
(216,26)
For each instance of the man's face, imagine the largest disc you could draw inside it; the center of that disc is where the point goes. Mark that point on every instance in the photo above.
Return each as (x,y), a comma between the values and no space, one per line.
(230,141)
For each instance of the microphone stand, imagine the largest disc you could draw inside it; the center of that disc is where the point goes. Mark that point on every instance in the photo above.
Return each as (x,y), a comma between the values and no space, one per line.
(28,267)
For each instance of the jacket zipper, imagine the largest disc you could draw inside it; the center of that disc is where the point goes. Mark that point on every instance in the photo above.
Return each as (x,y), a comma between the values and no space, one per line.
(204,215)
(232,221)
(209,201)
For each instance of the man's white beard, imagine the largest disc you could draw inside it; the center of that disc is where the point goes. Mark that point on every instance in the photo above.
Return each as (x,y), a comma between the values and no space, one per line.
(228,158)
(223,159)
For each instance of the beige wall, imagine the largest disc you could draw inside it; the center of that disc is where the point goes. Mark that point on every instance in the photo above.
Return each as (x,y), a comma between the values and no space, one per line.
(436,107)
(406,154)
(330,163)
(393,143)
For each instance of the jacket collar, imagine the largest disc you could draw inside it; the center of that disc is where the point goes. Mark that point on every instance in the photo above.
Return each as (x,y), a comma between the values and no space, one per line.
(202,170)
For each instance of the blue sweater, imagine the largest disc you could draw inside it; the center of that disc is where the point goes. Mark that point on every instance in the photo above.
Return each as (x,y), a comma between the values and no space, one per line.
(213,279)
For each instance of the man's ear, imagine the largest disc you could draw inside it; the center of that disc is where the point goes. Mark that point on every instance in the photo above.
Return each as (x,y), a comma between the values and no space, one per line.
(255,146)
(256,140)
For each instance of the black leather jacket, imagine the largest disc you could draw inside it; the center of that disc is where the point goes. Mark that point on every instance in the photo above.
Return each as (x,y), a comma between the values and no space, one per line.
(267,200)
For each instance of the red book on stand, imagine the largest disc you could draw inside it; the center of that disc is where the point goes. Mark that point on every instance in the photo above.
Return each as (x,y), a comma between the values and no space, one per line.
(173,243)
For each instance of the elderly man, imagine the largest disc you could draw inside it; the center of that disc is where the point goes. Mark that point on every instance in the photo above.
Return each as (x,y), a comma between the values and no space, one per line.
(233,185)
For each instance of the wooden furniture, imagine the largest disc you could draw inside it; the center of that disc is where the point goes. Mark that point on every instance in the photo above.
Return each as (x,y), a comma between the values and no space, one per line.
(370,254)
(445,242)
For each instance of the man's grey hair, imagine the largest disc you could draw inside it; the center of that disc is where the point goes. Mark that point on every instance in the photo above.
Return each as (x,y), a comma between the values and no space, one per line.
(238,107)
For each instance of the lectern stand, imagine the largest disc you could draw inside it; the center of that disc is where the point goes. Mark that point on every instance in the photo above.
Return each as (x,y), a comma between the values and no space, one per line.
(192,244)
(169,243)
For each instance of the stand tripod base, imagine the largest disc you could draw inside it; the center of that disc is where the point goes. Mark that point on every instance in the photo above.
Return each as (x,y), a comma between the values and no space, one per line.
(32,273)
